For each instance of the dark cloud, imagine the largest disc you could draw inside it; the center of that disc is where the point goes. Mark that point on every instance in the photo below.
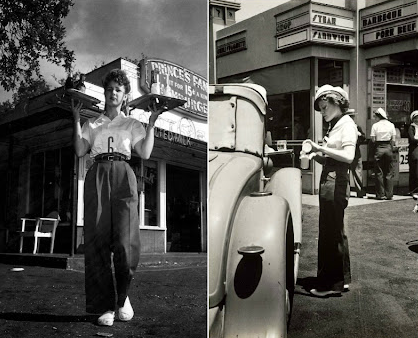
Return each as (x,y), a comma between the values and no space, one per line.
(103,30)
(174,30)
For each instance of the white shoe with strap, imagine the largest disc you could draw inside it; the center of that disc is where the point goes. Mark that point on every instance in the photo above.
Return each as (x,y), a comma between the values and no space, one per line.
(126,312)
(106,319)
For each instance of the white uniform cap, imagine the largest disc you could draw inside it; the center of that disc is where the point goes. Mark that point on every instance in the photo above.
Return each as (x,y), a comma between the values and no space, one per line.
(413,114)
(381,112)
(328,89)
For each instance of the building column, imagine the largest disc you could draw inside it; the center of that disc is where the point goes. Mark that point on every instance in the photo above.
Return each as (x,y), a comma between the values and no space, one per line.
(162,205)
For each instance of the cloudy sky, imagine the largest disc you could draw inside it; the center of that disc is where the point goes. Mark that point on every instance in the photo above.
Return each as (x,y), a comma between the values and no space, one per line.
(252,7)
(104,30)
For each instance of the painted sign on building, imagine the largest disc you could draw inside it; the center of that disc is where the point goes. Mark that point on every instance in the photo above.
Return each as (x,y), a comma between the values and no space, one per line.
(330,20)
(378,89)
(403,149)
(184,84)
(335,38)
(284,25)
(387,21)
(315,24)
(292,39)
(314,35)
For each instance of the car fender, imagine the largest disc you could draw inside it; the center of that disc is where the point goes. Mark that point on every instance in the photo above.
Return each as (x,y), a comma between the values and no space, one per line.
(287,183)
(232,176)
(255,303)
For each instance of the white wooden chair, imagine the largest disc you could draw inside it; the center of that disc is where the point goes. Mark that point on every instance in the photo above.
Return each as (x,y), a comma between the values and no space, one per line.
(45,227)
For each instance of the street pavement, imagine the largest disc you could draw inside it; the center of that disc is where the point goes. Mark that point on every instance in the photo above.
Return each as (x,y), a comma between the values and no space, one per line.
(383,297)
(169,301)
(169,297)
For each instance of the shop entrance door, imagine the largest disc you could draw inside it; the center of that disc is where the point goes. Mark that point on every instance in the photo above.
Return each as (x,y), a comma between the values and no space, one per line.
(183,210)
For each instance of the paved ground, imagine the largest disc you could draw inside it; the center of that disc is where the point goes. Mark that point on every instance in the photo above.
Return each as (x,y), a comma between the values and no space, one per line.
(169,301)
(383,297)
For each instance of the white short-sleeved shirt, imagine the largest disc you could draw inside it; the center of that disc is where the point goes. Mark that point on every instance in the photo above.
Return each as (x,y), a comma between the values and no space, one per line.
(108,136)
(383,130)
(344,133)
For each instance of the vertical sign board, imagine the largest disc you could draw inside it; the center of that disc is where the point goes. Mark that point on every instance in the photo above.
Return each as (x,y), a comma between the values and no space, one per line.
(378,89)
(403,145)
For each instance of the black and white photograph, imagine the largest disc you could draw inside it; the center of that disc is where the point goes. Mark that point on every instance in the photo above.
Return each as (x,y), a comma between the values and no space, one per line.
(313,112)
(103,168)
(209,168)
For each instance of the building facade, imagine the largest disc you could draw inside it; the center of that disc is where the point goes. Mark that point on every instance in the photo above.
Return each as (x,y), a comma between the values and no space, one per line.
(366,47)
(42,174)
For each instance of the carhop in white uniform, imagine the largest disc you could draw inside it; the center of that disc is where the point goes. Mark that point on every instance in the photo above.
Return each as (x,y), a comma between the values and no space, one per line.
(111,222)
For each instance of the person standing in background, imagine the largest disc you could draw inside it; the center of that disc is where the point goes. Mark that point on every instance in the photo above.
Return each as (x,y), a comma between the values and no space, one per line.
(383,135)
(356,167)
(413,151)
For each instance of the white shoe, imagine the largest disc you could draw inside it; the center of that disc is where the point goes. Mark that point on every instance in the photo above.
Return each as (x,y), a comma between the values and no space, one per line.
(126,312)
(106,319)
(346,287)
(326,293)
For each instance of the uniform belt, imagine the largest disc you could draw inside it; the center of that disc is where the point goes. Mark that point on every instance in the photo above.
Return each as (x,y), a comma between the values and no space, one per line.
(331,163)
(383,142)
(110,157)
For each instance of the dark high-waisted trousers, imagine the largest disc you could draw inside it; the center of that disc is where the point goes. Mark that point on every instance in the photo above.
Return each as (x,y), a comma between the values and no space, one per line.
(110,225)
(333,253)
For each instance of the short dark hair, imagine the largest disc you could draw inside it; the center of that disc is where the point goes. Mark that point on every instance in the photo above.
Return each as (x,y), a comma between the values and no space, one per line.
(119,76)
(335,99)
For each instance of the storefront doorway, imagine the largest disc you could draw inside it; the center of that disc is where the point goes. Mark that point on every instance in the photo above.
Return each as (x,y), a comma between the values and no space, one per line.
(183,210)
(401,101)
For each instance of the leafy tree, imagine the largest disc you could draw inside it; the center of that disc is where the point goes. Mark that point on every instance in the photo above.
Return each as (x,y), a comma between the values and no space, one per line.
(26,90)
(29,89)
(31,30)
(5,106)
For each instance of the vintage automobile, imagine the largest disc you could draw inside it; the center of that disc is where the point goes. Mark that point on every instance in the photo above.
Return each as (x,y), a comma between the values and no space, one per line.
(255,222)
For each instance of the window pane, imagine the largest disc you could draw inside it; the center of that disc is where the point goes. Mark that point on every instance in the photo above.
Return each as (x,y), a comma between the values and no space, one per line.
(279,117)
(302,115)
(36,184)
(151,192)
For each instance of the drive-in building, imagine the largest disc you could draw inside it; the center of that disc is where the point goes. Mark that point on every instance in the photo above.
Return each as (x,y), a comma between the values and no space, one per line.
(41,173)
(369,48)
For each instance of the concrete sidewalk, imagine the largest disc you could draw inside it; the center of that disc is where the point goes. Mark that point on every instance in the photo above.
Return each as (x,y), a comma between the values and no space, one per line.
(313,200)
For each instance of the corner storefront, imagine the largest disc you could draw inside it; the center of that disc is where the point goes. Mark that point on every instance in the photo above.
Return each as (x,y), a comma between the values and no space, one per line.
(388,49)
(42,173)
(291,50)
(367,48)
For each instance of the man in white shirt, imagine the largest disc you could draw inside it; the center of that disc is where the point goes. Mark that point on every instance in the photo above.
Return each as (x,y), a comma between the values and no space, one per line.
(383,134)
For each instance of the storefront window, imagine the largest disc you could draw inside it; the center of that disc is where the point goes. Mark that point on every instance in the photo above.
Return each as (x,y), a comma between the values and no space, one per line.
(400,102)
(146,172)
(50,183)
(330,72)
(288,119)
(151,192)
